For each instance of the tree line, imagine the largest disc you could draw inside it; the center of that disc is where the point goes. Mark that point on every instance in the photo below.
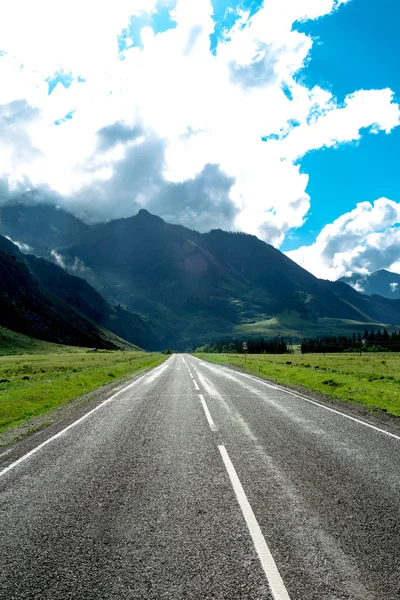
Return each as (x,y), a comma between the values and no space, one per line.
(260,345)
(371,341)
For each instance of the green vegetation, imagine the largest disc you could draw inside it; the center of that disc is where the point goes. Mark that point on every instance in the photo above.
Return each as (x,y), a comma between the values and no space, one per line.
(381,341)
(32,310)
(253,346)
(33,384)
(12,342)
(290,325)
(371,379)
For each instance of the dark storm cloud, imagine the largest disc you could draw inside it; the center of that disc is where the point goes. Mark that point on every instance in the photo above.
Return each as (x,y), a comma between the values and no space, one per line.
(201,203)
(137,182)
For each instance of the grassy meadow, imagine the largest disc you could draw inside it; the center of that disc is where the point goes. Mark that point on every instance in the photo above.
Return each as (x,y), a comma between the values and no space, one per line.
(32,384)
(13,343)
(372,379)
(289,325)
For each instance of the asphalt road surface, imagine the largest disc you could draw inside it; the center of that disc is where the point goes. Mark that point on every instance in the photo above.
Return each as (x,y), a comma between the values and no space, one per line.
(199,482)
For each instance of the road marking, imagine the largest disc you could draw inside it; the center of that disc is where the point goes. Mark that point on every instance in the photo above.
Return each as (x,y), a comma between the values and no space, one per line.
(63,431)
(282,389)
(195,385)
(277,587)
(190,373)
(211,423)
(213,392)
(338,412)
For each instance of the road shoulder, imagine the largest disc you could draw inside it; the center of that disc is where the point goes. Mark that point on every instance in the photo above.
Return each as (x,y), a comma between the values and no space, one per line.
(20,439)
(376,417)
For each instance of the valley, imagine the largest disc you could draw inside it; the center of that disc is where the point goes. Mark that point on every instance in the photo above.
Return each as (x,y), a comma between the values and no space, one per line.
(159,285)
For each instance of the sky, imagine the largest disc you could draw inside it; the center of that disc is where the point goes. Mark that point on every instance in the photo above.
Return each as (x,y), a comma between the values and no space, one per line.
(279,118)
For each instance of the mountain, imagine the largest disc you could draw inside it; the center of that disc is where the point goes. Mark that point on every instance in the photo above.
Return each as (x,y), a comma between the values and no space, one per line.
(76,292)
(12,342)
(198,287)
(381,282)
(41,227)
(26,307)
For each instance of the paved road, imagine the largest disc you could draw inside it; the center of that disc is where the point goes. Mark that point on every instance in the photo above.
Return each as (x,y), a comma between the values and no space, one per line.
(200,482)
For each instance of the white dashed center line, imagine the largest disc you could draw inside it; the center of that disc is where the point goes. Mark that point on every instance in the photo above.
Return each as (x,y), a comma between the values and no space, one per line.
(211,423)
(277,587)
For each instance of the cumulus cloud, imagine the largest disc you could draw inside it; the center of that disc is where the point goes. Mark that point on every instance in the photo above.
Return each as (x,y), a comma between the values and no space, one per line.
(137,182)
(202,138)
(362,241)
(118,133)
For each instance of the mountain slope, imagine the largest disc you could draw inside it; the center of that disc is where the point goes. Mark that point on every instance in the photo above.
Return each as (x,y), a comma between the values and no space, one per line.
(210,283)
(381,282)
(12,342)
(201,286)
(42,227)
(77,292)
(27,308)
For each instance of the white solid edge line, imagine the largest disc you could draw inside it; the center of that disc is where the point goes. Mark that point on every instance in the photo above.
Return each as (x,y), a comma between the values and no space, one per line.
(337,412)
(211,423)
(60,433)
(277,587)
(195,385)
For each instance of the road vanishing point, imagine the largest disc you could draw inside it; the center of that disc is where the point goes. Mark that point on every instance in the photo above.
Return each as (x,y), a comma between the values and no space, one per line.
(195,481)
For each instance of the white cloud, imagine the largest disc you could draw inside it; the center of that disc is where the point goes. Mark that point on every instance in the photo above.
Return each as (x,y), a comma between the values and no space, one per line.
(23,247)
(361,241)
(334,125)
(77,37)
(193,109)
(58,258)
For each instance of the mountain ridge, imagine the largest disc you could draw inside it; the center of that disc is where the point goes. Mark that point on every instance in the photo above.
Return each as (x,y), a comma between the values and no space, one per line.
(382,282)
(78,293)
(195,286)
(27,308)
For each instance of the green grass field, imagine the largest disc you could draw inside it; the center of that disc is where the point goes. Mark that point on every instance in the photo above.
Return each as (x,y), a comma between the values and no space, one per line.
(12,342)
(289,326)
(371,379)
(35,383)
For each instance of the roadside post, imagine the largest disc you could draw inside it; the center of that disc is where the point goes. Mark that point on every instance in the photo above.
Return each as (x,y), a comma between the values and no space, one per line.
(244,348)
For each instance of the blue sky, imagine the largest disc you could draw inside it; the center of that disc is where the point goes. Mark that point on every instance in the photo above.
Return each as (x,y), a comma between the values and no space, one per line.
(358,48)
(225,15)
(355,48)
(280,118)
